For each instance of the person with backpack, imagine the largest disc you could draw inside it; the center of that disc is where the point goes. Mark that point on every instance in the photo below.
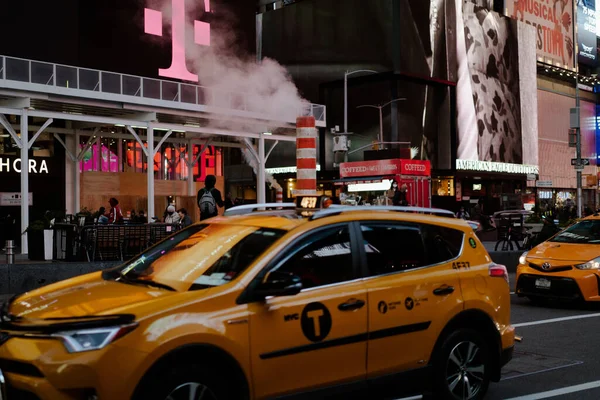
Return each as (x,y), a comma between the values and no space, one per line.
(209,198)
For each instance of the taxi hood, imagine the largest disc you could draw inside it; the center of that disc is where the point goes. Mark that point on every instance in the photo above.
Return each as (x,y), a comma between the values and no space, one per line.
(576,252)
(83,299)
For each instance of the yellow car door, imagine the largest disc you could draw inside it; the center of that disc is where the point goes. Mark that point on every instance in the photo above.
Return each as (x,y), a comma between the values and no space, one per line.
(413,290)
(318,337)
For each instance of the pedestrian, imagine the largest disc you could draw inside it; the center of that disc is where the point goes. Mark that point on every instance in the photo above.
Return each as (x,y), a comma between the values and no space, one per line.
(209,198)
(115,216)
(184,218)
(172,217)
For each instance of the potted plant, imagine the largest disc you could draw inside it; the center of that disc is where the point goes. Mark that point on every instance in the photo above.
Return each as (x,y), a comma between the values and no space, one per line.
(40,236)
(36,239)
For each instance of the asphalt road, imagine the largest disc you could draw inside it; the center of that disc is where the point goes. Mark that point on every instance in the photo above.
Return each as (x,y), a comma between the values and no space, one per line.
(559,356)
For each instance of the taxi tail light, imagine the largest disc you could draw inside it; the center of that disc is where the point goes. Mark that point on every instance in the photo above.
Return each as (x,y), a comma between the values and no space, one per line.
(498,271)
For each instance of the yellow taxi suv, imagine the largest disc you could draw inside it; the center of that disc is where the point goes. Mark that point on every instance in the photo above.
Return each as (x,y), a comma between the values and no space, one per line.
(565,267)
(273,304)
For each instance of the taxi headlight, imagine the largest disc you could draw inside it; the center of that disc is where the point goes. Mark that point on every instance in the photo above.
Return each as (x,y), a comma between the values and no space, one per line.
(92,339)
(594,264)
(523,258)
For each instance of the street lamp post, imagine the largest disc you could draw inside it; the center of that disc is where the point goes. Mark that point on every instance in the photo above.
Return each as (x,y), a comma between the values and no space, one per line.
(380,108)
(346,93)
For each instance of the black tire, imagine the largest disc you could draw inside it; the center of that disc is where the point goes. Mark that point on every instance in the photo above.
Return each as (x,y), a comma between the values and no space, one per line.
(505,244)
(449,370)
(163,383)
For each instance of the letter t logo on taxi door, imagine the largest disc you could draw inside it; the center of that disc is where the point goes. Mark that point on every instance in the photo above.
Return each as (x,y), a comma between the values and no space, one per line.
(153,26)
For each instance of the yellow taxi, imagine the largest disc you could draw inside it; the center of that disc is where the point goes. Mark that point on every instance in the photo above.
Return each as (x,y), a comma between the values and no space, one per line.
(565,267)
(268,305)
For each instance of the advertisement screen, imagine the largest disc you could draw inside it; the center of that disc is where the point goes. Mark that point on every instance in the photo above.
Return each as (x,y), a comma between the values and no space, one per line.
(586,32)
(554,25)
(496,92)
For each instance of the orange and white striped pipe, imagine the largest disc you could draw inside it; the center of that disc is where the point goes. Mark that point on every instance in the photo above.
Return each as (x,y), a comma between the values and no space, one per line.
(306,156)
(279,195)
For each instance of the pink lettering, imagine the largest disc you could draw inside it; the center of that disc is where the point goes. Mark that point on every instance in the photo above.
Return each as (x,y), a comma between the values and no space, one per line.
(153,26)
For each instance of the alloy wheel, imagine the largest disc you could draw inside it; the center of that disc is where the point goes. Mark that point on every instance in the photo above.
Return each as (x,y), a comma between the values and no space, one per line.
(465,370)
(191,391)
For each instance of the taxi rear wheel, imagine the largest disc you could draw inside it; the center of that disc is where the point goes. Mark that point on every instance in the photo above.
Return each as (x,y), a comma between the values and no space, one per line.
(461,367)
(189,382)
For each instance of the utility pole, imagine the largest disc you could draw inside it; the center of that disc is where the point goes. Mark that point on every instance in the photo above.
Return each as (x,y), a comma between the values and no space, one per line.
(578,156)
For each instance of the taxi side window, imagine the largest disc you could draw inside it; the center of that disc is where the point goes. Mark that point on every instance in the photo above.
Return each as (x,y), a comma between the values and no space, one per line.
(323,258)
(393,247)
(442,244)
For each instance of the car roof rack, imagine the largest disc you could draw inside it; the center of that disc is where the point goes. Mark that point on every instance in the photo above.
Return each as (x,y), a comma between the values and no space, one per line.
(261,207)
(336,209)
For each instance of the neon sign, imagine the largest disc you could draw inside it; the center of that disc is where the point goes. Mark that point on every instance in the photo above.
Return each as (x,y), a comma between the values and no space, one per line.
(153,26)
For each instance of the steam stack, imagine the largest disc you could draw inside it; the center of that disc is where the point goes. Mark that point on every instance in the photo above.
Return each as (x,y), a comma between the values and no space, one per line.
(279,195)
(306,156)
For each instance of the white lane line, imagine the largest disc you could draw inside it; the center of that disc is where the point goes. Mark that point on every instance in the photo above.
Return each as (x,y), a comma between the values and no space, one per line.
(559,392)
(553,320)
(542,371)
(512,292)
(419,397)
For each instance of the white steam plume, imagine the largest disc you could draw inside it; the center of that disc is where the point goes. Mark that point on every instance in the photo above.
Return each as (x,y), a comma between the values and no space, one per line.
(230,73)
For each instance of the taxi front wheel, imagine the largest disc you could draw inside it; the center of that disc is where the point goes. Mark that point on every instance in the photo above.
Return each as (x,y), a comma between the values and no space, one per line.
(189,381)
(461,368)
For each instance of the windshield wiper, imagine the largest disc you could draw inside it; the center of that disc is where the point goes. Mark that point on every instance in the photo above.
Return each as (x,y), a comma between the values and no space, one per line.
(159,285)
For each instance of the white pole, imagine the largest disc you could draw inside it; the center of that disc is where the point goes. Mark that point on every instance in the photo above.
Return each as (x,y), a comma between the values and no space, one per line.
(260,184)
(77,175)
(150,171)
(24,180)
(190,165)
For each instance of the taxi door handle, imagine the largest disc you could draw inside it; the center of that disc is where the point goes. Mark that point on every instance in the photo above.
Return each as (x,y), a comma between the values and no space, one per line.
(443,290)
(351,305)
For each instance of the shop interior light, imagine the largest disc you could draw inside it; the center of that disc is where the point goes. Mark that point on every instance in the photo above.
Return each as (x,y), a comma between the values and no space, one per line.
(120,125)
(267,133)
(382,186)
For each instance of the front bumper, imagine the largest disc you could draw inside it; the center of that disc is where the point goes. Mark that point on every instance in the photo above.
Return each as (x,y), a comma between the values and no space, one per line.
(565,283)
(41,369)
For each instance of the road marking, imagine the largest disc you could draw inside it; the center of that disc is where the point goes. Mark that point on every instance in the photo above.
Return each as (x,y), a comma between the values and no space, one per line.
(559,392)
(541,371)
(419,397)
(512,292)
(552,320)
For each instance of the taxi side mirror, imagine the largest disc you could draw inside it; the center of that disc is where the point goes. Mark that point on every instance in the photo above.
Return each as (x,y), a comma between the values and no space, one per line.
(278,283)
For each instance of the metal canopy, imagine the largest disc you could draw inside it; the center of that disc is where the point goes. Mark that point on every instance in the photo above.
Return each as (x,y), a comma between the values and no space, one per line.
(96,102)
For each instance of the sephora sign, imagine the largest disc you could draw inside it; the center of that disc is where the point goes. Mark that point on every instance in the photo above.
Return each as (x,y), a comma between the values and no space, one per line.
(8,165)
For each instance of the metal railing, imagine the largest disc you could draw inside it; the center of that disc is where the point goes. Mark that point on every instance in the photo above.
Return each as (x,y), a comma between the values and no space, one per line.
(94,82)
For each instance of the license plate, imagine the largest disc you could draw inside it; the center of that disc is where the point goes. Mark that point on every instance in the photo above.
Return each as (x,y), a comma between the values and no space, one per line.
(542,283)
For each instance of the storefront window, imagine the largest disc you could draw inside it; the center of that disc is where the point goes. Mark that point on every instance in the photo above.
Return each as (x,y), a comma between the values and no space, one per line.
(42,147)
(442,186)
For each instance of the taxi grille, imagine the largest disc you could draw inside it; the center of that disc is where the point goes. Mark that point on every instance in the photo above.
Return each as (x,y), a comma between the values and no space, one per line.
(560,288)
(20,368)
(552,269)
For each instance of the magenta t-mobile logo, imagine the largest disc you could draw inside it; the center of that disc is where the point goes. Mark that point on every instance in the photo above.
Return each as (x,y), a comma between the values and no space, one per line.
(153,25)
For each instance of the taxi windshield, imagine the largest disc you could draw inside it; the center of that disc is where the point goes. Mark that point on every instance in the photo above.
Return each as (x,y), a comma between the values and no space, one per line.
(582,232)
(199,257)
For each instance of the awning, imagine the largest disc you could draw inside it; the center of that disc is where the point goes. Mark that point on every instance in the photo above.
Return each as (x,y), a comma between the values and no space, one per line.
(361,180)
